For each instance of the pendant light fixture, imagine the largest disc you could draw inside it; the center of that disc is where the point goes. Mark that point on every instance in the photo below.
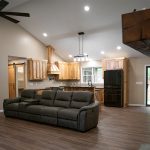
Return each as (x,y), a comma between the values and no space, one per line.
(81,56)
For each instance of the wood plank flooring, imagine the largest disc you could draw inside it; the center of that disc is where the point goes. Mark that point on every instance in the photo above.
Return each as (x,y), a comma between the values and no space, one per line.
(118,129)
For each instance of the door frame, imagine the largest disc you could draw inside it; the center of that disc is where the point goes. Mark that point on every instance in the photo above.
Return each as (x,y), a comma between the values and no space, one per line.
(145,81)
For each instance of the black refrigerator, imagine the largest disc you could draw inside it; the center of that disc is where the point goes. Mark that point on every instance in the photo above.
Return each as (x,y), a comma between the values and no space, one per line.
(113,88)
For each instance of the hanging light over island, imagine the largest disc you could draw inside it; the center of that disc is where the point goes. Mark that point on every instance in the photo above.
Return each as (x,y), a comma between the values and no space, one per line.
(81,56)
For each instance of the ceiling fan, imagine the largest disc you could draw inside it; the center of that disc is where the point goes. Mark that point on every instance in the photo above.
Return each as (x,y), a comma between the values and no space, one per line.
(5,14)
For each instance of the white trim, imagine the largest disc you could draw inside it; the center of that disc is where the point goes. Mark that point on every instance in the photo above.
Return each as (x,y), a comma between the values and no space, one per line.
(1,111)
(92,76)
(145,83)
(136,105)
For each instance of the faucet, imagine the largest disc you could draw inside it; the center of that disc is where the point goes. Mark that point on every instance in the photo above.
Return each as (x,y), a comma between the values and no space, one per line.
(90,83)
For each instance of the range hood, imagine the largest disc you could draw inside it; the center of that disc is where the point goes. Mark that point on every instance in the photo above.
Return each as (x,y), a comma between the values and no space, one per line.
(51,66)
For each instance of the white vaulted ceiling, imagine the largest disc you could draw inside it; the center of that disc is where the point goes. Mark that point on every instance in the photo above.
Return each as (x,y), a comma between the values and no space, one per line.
(63,19)
(14,3)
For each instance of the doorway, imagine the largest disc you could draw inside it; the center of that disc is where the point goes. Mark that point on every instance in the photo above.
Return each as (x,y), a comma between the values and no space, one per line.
(16,76)
(147,85)
(12,81)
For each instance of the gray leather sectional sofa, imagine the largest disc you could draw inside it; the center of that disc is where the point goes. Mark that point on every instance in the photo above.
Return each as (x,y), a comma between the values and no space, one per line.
(76,110)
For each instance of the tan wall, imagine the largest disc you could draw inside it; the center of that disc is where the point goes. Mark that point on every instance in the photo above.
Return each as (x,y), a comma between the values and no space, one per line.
(137,79)
(15,41)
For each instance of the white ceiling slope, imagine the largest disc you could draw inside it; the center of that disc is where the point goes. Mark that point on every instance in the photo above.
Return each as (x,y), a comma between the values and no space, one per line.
(14,3)
(63,19)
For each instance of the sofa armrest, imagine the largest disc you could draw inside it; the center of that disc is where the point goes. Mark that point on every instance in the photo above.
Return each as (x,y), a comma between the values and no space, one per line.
(91,106)
(26,103)
(6,102)
(14,100)
(88,116)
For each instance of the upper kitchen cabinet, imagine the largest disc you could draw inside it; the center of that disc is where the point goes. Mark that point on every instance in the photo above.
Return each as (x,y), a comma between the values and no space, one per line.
(63,69)
(136,30)
(37,69)
(69,70)
(114,64)
(74,70)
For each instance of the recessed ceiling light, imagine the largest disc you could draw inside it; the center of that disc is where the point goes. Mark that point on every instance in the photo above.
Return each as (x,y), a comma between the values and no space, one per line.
(70,56)
(86,8)
(45,34)
(102,52)
(118,47)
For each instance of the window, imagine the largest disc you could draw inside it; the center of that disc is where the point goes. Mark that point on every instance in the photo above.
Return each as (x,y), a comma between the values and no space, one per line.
(93,74)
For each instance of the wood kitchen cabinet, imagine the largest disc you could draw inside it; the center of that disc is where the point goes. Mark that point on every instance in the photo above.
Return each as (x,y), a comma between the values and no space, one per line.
(74,71)
(37,69)
(63,68)
(68,70)
(99,95)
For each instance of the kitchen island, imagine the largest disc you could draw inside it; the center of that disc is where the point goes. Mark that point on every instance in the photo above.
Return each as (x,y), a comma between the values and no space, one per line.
(98,92)
(79,88)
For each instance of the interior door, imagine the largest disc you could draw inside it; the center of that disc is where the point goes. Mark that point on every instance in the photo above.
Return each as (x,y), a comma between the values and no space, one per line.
(20,78)
(148,85)
(12,81)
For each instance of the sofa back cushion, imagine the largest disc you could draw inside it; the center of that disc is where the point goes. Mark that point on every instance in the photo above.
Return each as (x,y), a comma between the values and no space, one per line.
(28,93)
(47,98)
(38,94)
(63,99)
(81,98)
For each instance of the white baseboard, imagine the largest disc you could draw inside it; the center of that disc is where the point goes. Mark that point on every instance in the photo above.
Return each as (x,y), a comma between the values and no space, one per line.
(136,105)
(1,110)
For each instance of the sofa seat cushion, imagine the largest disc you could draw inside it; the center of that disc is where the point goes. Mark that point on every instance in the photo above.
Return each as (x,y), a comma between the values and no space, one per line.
(50,111)
(68,114)
(22,106)
(46,102)
(12,107)
(81,98)
(30,100)
(63,99)
(33,109)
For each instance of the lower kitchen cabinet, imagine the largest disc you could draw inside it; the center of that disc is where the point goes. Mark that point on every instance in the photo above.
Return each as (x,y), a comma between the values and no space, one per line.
(99,95)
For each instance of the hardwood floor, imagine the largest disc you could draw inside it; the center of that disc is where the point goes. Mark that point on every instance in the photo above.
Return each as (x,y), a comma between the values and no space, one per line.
(118,129)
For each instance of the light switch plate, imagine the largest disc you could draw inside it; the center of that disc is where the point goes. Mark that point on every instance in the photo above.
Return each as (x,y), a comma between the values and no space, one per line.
(139,83)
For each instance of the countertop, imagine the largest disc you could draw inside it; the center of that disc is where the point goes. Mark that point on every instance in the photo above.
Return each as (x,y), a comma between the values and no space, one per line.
(80,86)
